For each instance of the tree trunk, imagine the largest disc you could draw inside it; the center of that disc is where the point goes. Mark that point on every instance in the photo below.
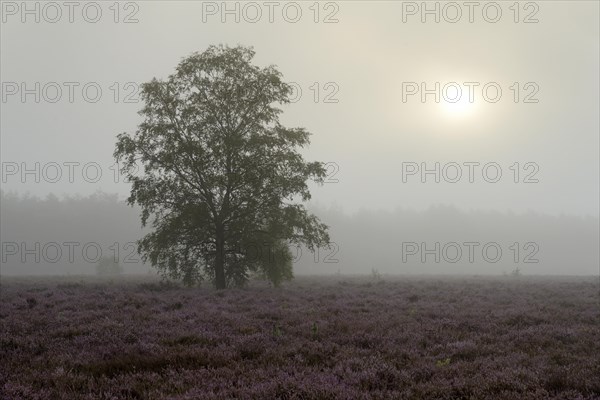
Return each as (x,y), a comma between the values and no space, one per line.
(220,261)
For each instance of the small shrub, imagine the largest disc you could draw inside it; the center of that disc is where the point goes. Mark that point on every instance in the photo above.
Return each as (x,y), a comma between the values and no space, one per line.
(31,302)
(314,329)
(442,363)
(108,266)
(276,330)
(413,298)
(130,338)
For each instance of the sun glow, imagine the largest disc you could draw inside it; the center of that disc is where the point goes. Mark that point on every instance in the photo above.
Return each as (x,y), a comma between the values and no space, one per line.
(457,105)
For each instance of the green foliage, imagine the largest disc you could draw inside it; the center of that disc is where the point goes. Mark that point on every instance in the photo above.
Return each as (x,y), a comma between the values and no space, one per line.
(314,329)
(277,329)
(442,363)
(214,171)
(108,266)
(273,262)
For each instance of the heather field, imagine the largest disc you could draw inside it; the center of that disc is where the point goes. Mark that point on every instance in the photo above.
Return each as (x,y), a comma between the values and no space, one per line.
(315,338)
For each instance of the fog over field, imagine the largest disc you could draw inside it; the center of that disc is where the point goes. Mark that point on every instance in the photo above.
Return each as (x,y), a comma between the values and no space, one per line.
(68,236)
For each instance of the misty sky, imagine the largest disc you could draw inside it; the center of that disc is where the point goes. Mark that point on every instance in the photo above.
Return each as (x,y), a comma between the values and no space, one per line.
(361,61)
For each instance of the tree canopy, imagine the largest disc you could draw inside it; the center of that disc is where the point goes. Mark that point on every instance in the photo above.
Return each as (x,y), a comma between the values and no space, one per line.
(215,173)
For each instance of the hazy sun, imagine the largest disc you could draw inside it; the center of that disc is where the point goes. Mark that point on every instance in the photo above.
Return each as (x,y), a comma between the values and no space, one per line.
(457,106)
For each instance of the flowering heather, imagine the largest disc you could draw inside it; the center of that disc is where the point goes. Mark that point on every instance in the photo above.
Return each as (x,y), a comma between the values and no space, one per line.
(325,338)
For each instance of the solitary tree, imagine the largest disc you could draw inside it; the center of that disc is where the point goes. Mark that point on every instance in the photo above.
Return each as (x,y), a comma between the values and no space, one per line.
(219,173)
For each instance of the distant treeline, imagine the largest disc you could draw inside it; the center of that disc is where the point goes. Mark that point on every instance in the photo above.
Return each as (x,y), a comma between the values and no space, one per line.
(67,236)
